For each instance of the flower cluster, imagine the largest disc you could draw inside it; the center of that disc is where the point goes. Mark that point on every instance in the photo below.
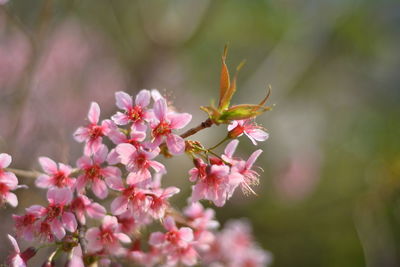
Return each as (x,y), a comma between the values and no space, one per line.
(99,208)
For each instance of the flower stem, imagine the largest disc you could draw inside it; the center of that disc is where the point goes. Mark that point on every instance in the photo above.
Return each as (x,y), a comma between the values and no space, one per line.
(220,143)
(23,173)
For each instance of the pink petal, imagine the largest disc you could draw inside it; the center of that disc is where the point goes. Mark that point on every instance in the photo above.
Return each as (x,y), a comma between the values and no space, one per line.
(48,165)
(96,211)
(143,98)
(92,236)
(14,243)
(5,160)
(94,113)
(253,157)
(9,179)
(155,94)
(100,155)
(259,135)
(170,191)
(110,222)
(114,182)
(11,199)
(123,100)
(186,234)
(123,238)
(119,205)
(232,125)
(57,229)
(175,144)
(113,157)
(80,183)
(120,118)
(66,169)
(81,134)
(160,109)
(99,188)
(84,162)
(92,146)
(231,147)
(59,195)
(179,120)
(69,221)
(156,239)
(157,166)
(169,224)
(125,152)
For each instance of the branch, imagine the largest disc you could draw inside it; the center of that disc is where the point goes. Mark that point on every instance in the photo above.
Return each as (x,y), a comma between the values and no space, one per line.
(23,173)
(205,124)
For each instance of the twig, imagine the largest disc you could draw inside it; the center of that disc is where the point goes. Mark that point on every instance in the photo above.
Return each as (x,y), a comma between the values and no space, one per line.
(23,173)
(205,124)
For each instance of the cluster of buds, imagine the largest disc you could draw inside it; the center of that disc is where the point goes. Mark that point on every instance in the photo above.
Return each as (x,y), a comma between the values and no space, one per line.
(103,209)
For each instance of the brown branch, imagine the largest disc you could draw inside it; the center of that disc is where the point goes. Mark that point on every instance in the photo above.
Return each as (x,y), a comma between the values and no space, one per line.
(23,173)
(205,124)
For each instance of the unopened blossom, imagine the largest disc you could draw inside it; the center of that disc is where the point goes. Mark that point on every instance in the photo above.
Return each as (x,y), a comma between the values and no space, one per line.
(56,176)
(159,200)
(8,182)
(138,161)
(136,113)
(217,186)
(93,133)
(176,243)
(82,205)
(164,123)
(248,127)
(18,258)
(56,218)
(97,175)
(107,237)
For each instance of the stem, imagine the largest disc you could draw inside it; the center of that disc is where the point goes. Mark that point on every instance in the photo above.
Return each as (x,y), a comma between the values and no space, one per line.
(220,143)
(205,124)
(23,173)
(218,156)
(81,238)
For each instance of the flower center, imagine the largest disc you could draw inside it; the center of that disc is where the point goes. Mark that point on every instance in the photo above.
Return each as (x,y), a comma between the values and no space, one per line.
(93,172)
(60,179)
(107,236)
(53,211)
(172,237)
(163,128)
(135,113)
(95,131)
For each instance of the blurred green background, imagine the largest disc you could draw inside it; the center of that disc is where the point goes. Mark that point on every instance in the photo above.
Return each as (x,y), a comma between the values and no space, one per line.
(329,195)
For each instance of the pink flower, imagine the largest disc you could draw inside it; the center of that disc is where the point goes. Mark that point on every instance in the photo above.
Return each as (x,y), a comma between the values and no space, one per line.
(99,177)
(135,138)
(165,121)
(217,186)
(244,168)
(82,204)
(159,200)
(132,199)
(25,224)
(55,176)
(176,244)
(56,217)
(199,217)
(107,237)
(137,114)
(249,128)
(8,182)
(138,162)
(16,258)
(93,133)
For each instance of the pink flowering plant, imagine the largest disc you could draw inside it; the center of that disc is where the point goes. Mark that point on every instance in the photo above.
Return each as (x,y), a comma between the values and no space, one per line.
(110,208)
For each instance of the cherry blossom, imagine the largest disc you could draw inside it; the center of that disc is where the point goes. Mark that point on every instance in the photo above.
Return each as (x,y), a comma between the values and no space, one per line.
(93,133)
(249,128)
(97,175)
(159,200)
(135,114)
(165,121)
(82,204)
(56,176)
(107,237)
(8,182)
(217,186)
(138,162)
